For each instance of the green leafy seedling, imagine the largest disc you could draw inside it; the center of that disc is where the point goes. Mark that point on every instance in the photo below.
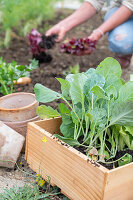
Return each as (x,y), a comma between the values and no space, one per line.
(127,158)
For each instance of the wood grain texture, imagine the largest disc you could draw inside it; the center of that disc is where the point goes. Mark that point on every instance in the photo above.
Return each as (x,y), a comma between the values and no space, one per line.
(119,185)
(69,169)
(72,171)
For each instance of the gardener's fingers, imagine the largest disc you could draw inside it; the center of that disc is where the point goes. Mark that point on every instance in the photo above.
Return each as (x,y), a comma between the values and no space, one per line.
(61,35)
(95,36)
(51,31)
(60,31)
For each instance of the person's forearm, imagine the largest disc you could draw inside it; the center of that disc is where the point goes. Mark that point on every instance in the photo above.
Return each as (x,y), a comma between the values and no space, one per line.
(81,15)
(120,16)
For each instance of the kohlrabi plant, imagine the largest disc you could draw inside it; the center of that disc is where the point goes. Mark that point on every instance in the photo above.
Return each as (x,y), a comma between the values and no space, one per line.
(11,72)
(97,112)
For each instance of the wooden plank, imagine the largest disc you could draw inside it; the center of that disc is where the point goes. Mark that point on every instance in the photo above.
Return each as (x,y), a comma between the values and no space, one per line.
(68,169)
(119,185)
(50,125)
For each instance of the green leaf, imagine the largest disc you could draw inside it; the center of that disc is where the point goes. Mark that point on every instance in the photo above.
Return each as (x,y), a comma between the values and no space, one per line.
(129,129)
(126,92)
(90,72)
(114,81)
(20,67)
(121,143)
(69,141)
(33,65)
(63,109)
(97,115)
(109,66)
(65,87)
(122,114)
(78,111)
(44,94)
(125,136)
(94,79)
(77,82)
(111,92)
(46,112)
(67,127)
(127,158)
(99,92)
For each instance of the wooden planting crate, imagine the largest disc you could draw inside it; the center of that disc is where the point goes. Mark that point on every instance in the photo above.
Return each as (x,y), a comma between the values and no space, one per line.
(78,177)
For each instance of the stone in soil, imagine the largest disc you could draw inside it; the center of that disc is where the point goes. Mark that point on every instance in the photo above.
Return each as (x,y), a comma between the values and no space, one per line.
(11,144)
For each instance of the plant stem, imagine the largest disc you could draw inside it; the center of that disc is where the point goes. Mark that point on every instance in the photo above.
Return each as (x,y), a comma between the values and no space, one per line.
(5,88)
(111,161)
(92,100)
(73,112)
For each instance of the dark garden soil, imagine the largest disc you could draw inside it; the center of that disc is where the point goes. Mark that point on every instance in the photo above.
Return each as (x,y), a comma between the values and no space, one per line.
(112,163)
(46,73)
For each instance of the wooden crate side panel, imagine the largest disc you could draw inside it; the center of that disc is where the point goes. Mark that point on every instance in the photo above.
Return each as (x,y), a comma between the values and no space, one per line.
(50,125)
(75,176)
(119,185)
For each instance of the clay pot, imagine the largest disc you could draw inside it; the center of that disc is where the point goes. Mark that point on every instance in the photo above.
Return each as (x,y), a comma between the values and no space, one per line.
(18,107)
(21,127)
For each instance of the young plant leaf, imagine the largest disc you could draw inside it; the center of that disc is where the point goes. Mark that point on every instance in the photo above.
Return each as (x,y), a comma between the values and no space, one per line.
(125,136)
(127,158)
(109,66)
(129,129)
(67,140)
(44,94)
(63,109)
(111,92)
(65,87)
(126,92)
(67,127)
(122,114)
(46,112)
(77,82)
(99,92)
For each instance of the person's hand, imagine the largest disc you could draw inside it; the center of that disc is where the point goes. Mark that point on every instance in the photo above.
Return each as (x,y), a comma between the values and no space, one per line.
(58,29)
(96,35)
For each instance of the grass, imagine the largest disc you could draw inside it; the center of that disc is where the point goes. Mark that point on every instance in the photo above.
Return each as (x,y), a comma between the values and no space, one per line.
(29,192)
(40,189)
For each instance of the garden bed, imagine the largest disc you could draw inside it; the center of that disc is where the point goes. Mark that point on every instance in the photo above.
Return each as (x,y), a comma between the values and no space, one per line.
(46,73)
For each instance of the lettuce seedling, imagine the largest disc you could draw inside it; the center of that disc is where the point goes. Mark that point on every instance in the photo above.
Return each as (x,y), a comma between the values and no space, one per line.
(39,43)
(11,72)
(78,46)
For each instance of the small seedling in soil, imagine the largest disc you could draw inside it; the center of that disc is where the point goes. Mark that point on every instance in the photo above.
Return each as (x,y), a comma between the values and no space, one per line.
(72,70)
(11,72)
(38,45)
(79,46)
